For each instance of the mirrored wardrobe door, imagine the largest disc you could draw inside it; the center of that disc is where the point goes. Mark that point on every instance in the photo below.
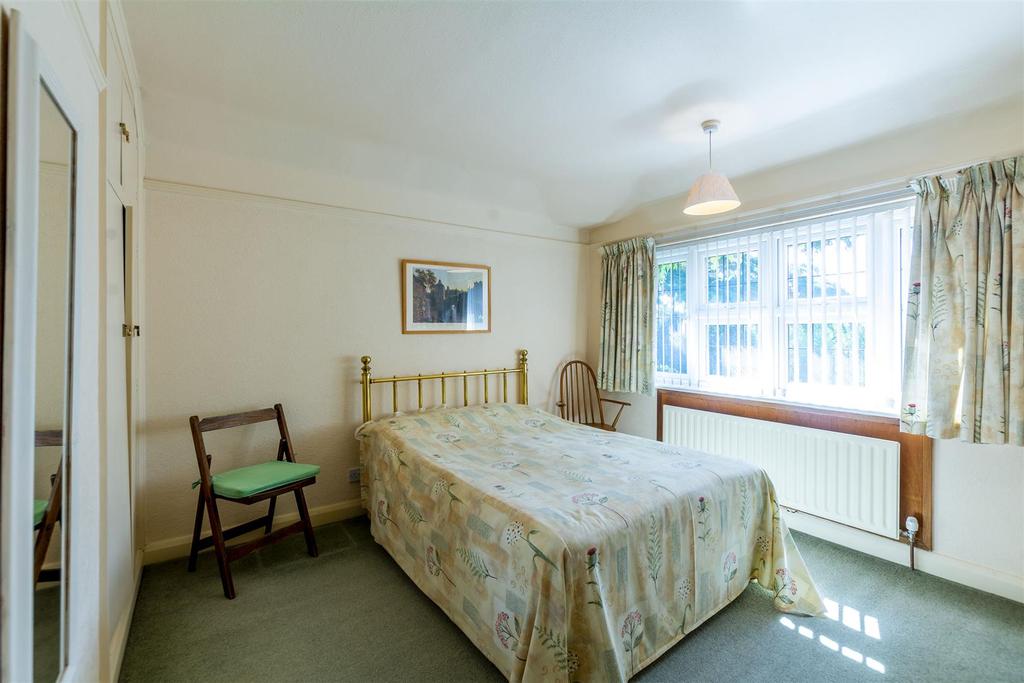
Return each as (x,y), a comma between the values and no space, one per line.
(52,371)
(35,458)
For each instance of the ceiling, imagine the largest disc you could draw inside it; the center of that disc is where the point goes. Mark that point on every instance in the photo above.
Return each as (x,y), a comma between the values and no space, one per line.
(577,111)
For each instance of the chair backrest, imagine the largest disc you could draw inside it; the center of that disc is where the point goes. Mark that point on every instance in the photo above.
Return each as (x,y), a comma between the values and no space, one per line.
(210,424)
(49,437)
(578,397)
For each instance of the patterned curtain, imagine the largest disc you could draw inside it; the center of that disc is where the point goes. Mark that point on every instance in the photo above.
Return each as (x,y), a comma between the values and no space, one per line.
(627,317)
(963,373)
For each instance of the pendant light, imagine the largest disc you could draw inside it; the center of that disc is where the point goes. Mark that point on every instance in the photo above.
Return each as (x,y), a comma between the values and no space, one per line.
(712,192)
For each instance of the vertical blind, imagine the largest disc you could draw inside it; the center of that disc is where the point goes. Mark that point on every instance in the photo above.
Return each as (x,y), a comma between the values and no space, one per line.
(809,311)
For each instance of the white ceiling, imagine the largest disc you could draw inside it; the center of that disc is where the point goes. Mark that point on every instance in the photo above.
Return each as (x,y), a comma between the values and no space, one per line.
(579,111)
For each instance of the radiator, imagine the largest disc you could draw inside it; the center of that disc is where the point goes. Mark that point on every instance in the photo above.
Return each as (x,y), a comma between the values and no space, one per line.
(853,480)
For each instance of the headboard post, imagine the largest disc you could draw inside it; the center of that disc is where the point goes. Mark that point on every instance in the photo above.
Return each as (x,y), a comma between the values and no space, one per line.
(524,386)
(367,411)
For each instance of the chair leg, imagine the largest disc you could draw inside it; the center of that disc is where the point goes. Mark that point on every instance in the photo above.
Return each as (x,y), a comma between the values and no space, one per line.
(270,516)
(300,502)
(220,549)
(197,532)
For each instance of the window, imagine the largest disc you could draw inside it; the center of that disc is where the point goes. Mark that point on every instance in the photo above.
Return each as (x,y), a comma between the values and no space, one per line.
(809,311)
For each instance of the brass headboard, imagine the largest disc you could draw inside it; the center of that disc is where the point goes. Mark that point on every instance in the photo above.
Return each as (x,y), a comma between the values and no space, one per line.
(368,381)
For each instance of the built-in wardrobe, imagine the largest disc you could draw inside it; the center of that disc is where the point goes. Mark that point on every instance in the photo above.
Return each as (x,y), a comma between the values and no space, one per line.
(71,202)
(121,336)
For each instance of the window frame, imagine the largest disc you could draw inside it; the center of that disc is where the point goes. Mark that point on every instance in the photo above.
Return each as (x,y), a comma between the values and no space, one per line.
(883,276)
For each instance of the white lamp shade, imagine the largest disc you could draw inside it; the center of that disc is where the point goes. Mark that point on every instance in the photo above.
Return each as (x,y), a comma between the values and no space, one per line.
(711,194)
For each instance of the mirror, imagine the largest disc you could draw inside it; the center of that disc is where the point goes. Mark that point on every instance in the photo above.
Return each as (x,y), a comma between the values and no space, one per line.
(52,381)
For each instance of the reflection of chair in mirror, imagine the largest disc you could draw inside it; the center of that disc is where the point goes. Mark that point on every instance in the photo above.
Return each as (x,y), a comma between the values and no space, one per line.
(248,485)
(46,513)
(580,401)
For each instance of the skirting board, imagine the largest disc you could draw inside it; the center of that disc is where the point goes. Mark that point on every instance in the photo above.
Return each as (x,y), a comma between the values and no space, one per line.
(173,548)
(946,567)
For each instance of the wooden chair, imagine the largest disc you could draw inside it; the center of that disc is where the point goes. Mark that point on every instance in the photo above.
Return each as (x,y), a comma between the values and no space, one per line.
(46,513)
(580,401)
(248,485)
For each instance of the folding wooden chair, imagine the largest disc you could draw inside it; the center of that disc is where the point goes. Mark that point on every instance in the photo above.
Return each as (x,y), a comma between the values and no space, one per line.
(46,513)
(248,485)
(580,401)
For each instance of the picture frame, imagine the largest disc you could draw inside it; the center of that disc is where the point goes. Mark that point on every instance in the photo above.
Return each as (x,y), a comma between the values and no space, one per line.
(441,297)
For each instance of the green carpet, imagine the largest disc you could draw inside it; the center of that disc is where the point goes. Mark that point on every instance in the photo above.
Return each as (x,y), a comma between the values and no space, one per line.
(46,627)
(352,615)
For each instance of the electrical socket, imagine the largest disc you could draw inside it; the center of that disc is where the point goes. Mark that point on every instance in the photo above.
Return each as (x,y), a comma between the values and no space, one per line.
(353,475)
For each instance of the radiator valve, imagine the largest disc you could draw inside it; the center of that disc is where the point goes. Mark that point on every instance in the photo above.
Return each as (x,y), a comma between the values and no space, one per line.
(911,533)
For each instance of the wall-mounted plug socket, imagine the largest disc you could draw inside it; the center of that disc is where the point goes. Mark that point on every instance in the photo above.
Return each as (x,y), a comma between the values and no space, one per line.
(353,475)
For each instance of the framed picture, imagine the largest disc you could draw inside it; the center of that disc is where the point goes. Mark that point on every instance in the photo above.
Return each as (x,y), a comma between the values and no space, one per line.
(439,297)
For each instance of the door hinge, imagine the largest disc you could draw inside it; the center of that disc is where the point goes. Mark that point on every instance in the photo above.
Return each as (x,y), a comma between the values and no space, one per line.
(130,330)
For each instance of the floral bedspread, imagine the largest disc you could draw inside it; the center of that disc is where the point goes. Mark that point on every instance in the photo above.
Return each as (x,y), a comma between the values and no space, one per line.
(568,553)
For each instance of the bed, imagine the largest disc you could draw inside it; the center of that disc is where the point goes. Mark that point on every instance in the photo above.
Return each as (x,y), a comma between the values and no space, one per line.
(561,551)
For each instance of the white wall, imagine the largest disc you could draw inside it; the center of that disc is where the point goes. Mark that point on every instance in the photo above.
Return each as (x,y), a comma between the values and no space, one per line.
(226,145)
(252,301)
(978,495)
(978,491)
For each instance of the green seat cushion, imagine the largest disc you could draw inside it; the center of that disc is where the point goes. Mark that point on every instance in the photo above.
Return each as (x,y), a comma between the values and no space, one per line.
(248,481)
(38,510)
